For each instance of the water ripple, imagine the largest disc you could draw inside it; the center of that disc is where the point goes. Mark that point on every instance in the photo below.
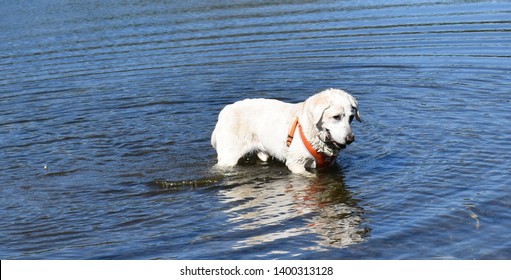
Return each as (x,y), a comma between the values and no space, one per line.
(107,109)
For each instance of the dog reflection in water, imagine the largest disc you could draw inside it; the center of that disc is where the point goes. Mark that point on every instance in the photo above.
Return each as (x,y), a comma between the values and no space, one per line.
(295,206)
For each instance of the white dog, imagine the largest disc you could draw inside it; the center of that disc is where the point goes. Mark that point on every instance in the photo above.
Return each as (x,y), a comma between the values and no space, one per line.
(309,134)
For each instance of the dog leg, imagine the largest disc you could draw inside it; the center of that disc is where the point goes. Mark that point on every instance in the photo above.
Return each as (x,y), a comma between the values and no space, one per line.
(296,167)
(228,156)
(263,156)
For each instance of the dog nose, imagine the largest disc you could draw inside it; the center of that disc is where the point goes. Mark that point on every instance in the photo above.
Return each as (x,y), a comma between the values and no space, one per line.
(350,138)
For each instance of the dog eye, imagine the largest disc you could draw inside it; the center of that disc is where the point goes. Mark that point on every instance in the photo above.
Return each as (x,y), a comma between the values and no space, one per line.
(337,117)
(351,118)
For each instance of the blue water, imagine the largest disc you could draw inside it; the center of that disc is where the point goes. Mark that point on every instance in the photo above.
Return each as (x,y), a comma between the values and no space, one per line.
(107,108)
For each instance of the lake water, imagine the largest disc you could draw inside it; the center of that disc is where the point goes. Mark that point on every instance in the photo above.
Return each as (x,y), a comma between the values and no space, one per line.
(106,112)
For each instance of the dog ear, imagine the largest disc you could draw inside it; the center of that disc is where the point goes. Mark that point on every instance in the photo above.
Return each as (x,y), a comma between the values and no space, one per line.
(354,105)
(357,114)
(316,106)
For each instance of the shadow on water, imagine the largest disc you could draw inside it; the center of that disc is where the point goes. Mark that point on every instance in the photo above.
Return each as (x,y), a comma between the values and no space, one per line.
(266,206)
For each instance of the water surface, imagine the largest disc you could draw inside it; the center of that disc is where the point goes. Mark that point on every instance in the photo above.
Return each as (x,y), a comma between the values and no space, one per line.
(106,112)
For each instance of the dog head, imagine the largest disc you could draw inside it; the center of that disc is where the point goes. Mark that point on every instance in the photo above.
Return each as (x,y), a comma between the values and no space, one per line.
(332,111)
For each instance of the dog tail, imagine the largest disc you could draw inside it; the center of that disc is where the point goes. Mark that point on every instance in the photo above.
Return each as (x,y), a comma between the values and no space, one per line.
(213,139)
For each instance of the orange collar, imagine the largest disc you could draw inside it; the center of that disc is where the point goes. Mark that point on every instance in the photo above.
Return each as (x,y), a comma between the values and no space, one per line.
(322,160)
